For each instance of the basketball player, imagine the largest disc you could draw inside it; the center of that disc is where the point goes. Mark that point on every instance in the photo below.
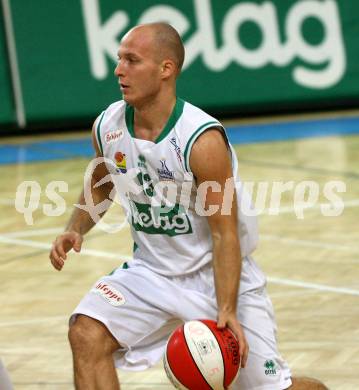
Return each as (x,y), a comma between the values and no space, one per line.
(189,261)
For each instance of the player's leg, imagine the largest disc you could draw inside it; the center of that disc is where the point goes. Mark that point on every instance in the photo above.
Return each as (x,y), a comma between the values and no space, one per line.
(124,322)
(265,369)
(92,348)
(5,383)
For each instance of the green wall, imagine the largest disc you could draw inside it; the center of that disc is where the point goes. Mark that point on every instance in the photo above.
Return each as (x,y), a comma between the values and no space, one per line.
(241,55)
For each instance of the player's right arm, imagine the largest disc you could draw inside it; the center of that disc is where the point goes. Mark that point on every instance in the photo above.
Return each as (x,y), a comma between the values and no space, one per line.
(81,221)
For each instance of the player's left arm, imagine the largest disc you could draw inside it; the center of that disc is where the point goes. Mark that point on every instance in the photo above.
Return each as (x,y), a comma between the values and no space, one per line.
(210,161)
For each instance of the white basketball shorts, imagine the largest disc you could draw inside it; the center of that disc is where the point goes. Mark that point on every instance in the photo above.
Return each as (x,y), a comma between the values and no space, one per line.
(141,309)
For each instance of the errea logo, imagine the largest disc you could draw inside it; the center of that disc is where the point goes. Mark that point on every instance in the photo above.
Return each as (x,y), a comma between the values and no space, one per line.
(177,148)
(270,367)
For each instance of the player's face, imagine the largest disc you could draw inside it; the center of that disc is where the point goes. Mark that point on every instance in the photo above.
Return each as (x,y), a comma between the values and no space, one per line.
(138,69)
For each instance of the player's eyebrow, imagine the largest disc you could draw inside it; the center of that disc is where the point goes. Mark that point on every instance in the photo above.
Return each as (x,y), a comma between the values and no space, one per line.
(127,54)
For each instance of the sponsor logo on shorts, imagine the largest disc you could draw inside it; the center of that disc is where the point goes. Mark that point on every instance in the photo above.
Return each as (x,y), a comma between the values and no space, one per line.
(270,367)
(113,136)
(113,297)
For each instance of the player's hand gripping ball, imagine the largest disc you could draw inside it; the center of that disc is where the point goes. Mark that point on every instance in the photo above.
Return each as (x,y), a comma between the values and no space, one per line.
(199,356)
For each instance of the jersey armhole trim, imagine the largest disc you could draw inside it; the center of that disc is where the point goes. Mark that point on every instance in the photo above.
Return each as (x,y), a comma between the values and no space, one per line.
(135,246)
(194,136)
(98,133)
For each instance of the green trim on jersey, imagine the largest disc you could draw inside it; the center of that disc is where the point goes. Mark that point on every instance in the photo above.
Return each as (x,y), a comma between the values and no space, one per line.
(172,120)
(99,134)
(112,272)
(193,138)
(171,123)
(135,246)
(129,115)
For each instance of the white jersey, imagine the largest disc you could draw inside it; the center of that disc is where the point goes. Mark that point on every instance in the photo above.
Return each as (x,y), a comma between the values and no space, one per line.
(170,236)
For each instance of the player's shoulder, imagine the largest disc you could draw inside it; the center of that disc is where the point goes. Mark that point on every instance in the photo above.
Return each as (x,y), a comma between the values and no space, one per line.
(115,109)
(196,117)
(118,106)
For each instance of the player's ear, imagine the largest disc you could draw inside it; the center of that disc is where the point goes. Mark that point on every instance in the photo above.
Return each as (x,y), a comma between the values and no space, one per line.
(168,68)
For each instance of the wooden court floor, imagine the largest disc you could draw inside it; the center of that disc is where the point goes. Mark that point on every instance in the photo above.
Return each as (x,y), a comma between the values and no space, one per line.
(312,266)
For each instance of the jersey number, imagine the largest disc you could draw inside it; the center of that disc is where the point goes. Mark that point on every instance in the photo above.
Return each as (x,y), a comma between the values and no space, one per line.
(146,182)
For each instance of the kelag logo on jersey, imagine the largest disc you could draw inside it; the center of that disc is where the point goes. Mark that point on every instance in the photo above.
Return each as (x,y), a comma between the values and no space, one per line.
(156,220)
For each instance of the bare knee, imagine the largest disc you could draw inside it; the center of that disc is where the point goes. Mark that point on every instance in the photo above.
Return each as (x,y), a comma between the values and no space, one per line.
(89,337)
(303,383)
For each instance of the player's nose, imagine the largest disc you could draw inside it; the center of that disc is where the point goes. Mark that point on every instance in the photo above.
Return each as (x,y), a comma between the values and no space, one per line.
(118,70)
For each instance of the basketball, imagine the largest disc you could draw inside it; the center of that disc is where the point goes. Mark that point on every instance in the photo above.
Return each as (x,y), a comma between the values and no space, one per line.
(199,356)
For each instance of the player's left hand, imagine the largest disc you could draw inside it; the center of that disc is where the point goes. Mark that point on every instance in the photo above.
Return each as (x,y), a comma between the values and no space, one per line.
(230,320)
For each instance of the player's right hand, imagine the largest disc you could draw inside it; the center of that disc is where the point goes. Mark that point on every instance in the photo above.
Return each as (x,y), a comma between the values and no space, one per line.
(63,244)
(230,320)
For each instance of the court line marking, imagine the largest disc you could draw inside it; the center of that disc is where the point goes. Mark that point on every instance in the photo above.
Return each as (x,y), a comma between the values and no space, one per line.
(45,231)
(314,286)
(309,243)
(33,321)
(7,202)
(43,383)
(34,232)
(279,165)
(47,246)
(266,237)
(119,256)
(295,292)
(303,207)
(142,385)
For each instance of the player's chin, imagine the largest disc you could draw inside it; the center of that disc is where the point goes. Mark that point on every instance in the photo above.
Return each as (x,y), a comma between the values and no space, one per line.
(128,97)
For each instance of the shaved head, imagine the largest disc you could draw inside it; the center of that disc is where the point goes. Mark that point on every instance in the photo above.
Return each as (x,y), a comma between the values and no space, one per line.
(167,41)
(150,58)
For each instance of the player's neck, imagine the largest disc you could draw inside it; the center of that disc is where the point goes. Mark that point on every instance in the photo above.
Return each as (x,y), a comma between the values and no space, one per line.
(151,118)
